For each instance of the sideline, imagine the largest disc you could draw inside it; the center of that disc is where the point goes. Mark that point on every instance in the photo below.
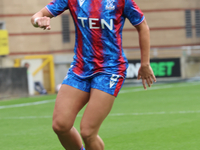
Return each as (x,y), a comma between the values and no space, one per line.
(110,115)
(160,87)
(121,92)
(27,104)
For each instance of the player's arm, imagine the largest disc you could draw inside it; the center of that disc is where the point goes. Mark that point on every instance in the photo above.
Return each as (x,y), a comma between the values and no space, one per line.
(145,72)
(42,19)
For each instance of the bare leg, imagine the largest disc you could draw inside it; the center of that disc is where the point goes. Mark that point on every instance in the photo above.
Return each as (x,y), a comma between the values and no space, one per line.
(99,106)
(68,103)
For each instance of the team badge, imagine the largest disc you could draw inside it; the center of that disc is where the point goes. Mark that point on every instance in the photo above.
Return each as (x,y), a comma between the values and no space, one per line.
(110,5)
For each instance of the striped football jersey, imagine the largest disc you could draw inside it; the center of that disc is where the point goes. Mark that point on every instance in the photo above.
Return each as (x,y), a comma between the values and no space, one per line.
(98,28)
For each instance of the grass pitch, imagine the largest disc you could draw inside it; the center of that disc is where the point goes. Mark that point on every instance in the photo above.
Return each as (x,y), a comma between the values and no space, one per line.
(164,117)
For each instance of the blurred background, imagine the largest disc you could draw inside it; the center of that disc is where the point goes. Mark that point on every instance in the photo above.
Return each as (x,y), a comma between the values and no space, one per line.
(33,61)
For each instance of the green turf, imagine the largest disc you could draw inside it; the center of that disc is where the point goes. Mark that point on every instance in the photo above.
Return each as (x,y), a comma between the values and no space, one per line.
(165,117)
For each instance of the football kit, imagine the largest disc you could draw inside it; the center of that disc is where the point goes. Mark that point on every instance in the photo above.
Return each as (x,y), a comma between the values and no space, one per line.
(98,44)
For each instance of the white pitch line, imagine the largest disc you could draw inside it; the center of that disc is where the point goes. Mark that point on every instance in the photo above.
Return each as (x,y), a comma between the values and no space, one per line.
(27,117)
(27,104)
(121,92)
(154,113)
(152,88)
(158,87)
(110,115)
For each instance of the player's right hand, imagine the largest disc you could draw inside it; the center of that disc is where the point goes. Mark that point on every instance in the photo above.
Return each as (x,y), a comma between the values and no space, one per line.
(43,22)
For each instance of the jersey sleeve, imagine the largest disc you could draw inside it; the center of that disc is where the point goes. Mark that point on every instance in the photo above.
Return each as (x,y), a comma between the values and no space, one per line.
(133,12)
(56,7)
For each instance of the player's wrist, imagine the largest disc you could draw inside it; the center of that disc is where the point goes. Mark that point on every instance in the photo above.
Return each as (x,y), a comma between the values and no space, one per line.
(146,64)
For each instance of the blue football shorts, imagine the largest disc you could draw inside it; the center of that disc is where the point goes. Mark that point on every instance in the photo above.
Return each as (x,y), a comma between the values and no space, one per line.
(109,83)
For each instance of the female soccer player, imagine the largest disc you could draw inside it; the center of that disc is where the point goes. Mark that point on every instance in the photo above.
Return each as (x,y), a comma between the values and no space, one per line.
(99,67)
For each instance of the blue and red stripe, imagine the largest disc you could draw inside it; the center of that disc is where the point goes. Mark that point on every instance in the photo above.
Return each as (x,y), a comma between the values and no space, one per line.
(137,8)
(118,31)
(118,86)
(96,36)
(57,12)
(78,66)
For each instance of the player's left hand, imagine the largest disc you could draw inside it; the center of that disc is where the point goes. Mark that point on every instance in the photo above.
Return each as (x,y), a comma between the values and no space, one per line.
(146,73)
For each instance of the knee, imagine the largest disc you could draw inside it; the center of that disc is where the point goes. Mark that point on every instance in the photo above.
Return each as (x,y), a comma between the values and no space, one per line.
(61,127)
(87,134)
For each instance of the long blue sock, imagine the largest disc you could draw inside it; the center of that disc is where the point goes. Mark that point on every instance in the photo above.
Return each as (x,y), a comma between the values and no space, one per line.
(82,148)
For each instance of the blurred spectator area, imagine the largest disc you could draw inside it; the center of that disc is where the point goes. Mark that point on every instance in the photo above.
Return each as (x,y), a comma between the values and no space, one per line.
(174,26)
(13,82)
